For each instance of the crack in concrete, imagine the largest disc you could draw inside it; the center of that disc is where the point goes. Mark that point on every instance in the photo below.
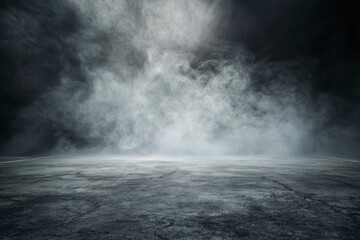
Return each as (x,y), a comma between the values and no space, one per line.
(169,224)
(288,188)
(311,199)
(240,234)
(343,182)
(168,174)
(50,227)
(160,236)
(11,198)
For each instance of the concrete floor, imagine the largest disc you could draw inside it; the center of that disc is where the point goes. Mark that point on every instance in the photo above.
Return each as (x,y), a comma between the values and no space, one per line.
(198,197)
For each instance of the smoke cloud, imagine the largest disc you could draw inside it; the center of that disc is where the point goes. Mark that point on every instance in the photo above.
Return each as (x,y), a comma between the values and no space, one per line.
(155,76)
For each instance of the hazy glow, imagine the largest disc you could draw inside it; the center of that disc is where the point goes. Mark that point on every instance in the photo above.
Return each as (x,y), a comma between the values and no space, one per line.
(148,90)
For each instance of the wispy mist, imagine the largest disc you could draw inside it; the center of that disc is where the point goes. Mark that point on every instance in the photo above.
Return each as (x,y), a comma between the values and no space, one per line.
(154,76)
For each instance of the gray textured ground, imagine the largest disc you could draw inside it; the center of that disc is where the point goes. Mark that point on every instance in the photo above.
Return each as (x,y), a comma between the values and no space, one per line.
(159,197)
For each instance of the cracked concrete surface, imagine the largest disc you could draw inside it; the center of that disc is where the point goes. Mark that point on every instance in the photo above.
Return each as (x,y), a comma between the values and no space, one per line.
(179,197)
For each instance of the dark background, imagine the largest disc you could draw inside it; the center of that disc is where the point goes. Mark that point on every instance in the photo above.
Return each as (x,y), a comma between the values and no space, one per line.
(322,35)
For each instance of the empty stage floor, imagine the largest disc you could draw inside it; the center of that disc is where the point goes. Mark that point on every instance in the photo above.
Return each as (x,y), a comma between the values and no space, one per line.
(179,197)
